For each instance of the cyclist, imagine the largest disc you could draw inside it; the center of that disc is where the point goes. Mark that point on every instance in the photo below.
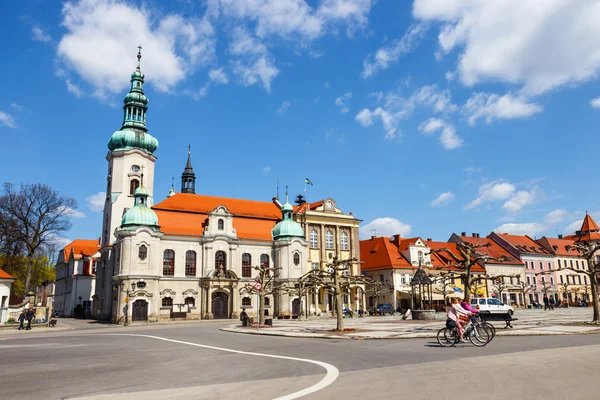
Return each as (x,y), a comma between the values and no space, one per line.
(465,305)
(455,314)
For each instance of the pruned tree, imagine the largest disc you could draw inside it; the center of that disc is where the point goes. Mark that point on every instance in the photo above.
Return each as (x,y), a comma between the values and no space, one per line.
(336,282)
(498,282)
(300,289)
(526,289)
(38,214)
(265,283)
(444,281)
(469,257)
(376,289)
(564,288)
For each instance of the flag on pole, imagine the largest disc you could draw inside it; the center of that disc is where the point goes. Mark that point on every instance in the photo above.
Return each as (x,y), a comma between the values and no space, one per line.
(306,180)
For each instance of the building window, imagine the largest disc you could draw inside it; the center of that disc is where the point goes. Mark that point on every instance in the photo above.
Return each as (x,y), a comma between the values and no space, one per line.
(579,279)
(344,240)
(190,263)
(577,264)
(296,259)
(559,265)
(264,260)
(246,265)
(314,239)
(167,302)
(169,263)
(220,224)
(381,278)
(529,280)
(134,184)
(267,302)
(543,280)
(552,280)
(571,262)
(549,265)
(142,252)
(314,265)
(561,279)
(220,260)
(190,301)
(94,267)
(141,285)
(585,280)
(534,280)
(420,257)
(541,266)
(246,302)
(329,240)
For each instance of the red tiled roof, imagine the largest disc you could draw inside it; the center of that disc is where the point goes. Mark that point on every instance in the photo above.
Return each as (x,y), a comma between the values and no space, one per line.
(589,225)
(560,247)
(5,275)
(524,243)
(81,248)
(494,250)
(379,252)
(441,260)
(195,203)
(301,209)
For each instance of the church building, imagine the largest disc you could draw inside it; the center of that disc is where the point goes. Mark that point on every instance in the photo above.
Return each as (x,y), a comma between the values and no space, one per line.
(189,255)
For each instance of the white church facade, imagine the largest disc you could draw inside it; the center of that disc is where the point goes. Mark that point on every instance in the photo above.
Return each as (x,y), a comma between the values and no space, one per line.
(189,255)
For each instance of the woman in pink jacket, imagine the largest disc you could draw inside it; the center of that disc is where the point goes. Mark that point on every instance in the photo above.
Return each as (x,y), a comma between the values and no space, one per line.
(464,304)
(455,312)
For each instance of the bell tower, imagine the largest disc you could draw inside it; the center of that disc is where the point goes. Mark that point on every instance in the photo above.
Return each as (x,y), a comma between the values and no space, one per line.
(188,178)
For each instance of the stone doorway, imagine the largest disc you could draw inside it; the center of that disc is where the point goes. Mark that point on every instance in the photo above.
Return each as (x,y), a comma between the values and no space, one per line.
(296,306)
(139,311)
(220,305)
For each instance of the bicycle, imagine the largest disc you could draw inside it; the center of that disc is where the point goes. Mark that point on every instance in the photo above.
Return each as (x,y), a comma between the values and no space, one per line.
(478,334)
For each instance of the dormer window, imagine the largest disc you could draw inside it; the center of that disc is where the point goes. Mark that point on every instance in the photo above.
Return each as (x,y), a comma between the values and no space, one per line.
(420,257)
(133,185)
(220,224)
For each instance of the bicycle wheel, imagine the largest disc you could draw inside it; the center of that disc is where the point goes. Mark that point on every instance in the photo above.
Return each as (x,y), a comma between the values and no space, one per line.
(491,328)
(479,336)
(447,337)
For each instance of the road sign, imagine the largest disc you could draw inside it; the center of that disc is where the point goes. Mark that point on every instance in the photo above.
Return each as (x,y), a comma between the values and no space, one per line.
(257,286)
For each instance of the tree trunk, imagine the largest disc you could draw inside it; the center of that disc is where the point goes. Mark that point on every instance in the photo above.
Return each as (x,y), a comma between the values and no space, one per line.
(595,301)
(261,308)
(28,274)
(468,282)
(338,303)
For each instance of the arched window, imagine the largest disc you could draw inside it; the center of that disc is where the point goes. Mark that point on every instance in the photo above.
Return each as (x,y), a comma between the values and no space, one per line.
(169,263)
(140,285)
(344,240)
(246,302)
(296,259)
(246,265)
(329,240)
(267,302)
(190,263)
(420,256)
(264,260)
(190,301)
(143,252)
(220,260)
(167,302)
(134,184)
(314,239)
(220,225)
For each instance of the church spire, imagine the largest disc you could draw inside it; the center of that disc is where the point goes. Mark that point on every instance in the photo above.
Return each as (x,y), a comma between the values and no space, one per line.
(188,178)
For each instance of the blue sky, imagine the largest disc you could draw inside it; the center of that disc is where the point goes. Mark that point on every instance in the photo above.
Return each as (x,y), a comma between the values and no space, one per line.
(421,117)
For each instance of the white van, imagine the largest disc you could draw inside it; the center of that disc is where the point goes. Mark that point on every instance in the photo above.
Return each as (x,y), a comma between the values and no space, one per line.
(492,305)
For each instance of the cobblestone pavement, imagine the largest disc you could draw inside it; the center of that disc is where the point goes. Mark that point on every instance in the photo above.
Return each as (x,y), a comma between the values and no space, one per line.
(530,322)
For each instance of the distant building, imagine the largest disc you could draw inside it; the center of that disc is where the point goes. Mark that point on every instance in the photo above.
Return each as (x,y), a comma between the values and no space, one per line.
(6,281)
(76,277)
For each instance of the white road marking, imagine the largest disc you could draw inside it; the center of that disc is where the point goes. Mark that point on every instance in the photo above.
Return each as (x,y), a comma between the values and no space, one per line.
(330,377)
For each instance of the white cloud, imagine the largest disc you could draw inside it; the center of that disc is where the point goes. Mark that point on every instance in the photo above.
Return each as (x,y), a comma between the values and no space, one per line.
(266,170)
(261,70)
(538,44)
(472,170)
(173,45)
(96,201)
(72,88)
(58,241)
(556,216)
(448,138)
(17,107)
(7,119)
(342,102)
(443,199)
(492,191)
(390,123)
(529,228)
(573,227)
(385,226)
(386,56)
(521,199)
(282,109)
(39,36)
(491,106)
(365,117)
(595,102)
(327,85)
(218,76)
(70,212)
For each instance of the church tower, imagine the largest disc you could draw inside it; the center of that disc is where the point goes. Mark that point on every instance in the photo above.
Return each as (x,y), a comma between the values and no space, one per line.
(188,178)
(131,155)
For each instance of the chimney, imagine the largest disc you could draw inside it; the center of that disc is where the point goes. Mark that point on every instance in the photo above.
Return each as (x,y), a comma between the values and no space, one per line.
(474,234)
(429,239)
(560,236)
(276,202)
(373,237)
(463,234)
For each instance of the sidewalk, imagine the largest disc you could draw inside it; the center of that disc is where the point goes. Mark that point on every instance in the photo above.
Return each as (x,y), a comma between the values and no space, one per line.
(530,323)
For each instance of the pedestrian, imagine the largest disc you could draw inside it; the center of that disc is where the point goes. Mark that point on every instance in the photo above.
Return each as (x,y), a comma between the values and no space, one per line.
(551,302)
(21,319)
(546,306)
(244,317)
(29,317)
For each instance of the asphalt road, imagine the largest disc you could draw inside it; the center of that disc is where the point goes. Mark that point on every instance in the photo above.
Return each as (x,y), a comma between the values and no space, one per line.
(102,364)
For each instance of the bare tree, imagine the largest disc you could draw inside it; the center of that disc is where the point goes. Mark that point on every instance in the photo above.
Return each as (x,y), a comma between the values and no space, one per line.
(299,289)
(445,280)
(376,289)
(469,257)
(265,284)
(39,213)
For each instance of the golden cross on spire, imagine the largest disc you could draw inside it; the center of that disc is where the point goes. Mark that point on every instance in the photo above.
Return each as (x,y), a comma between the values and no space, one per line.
(142,177)
(189,149)
(286,193)
(139,55)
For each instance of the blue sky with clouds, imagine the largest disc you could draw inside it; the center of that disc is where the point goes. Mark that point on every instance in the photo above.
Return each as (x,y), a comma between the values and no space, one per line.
(421,117)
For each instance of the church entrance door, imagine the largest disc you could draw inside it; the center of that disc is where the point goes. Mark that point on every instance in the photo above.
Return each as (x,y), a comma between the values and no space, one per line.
(296,306)
(220,305)
(140,311)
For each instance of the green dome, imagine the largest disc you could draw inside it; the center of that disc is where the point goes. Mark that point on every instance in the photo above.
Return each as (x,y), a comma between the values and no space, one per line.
(140,214)
(126,139)
(135,97)
(288,228)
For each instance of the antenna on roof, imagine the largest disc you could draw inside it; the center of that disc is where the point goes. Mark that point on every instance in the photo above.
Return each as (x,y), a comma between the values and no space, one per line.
(277,188)
(374,230)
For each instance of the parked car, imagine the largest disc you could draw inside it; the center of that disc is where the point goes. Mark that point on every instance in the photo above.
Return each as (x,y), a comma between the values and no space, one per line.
(491,305)
(382,309)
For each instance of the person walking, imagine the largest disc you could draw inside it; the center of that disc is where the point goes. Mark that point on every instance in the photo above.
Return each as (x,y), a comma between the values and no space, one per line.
(546,306)
(551,302)
(29,318)
(21,320)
